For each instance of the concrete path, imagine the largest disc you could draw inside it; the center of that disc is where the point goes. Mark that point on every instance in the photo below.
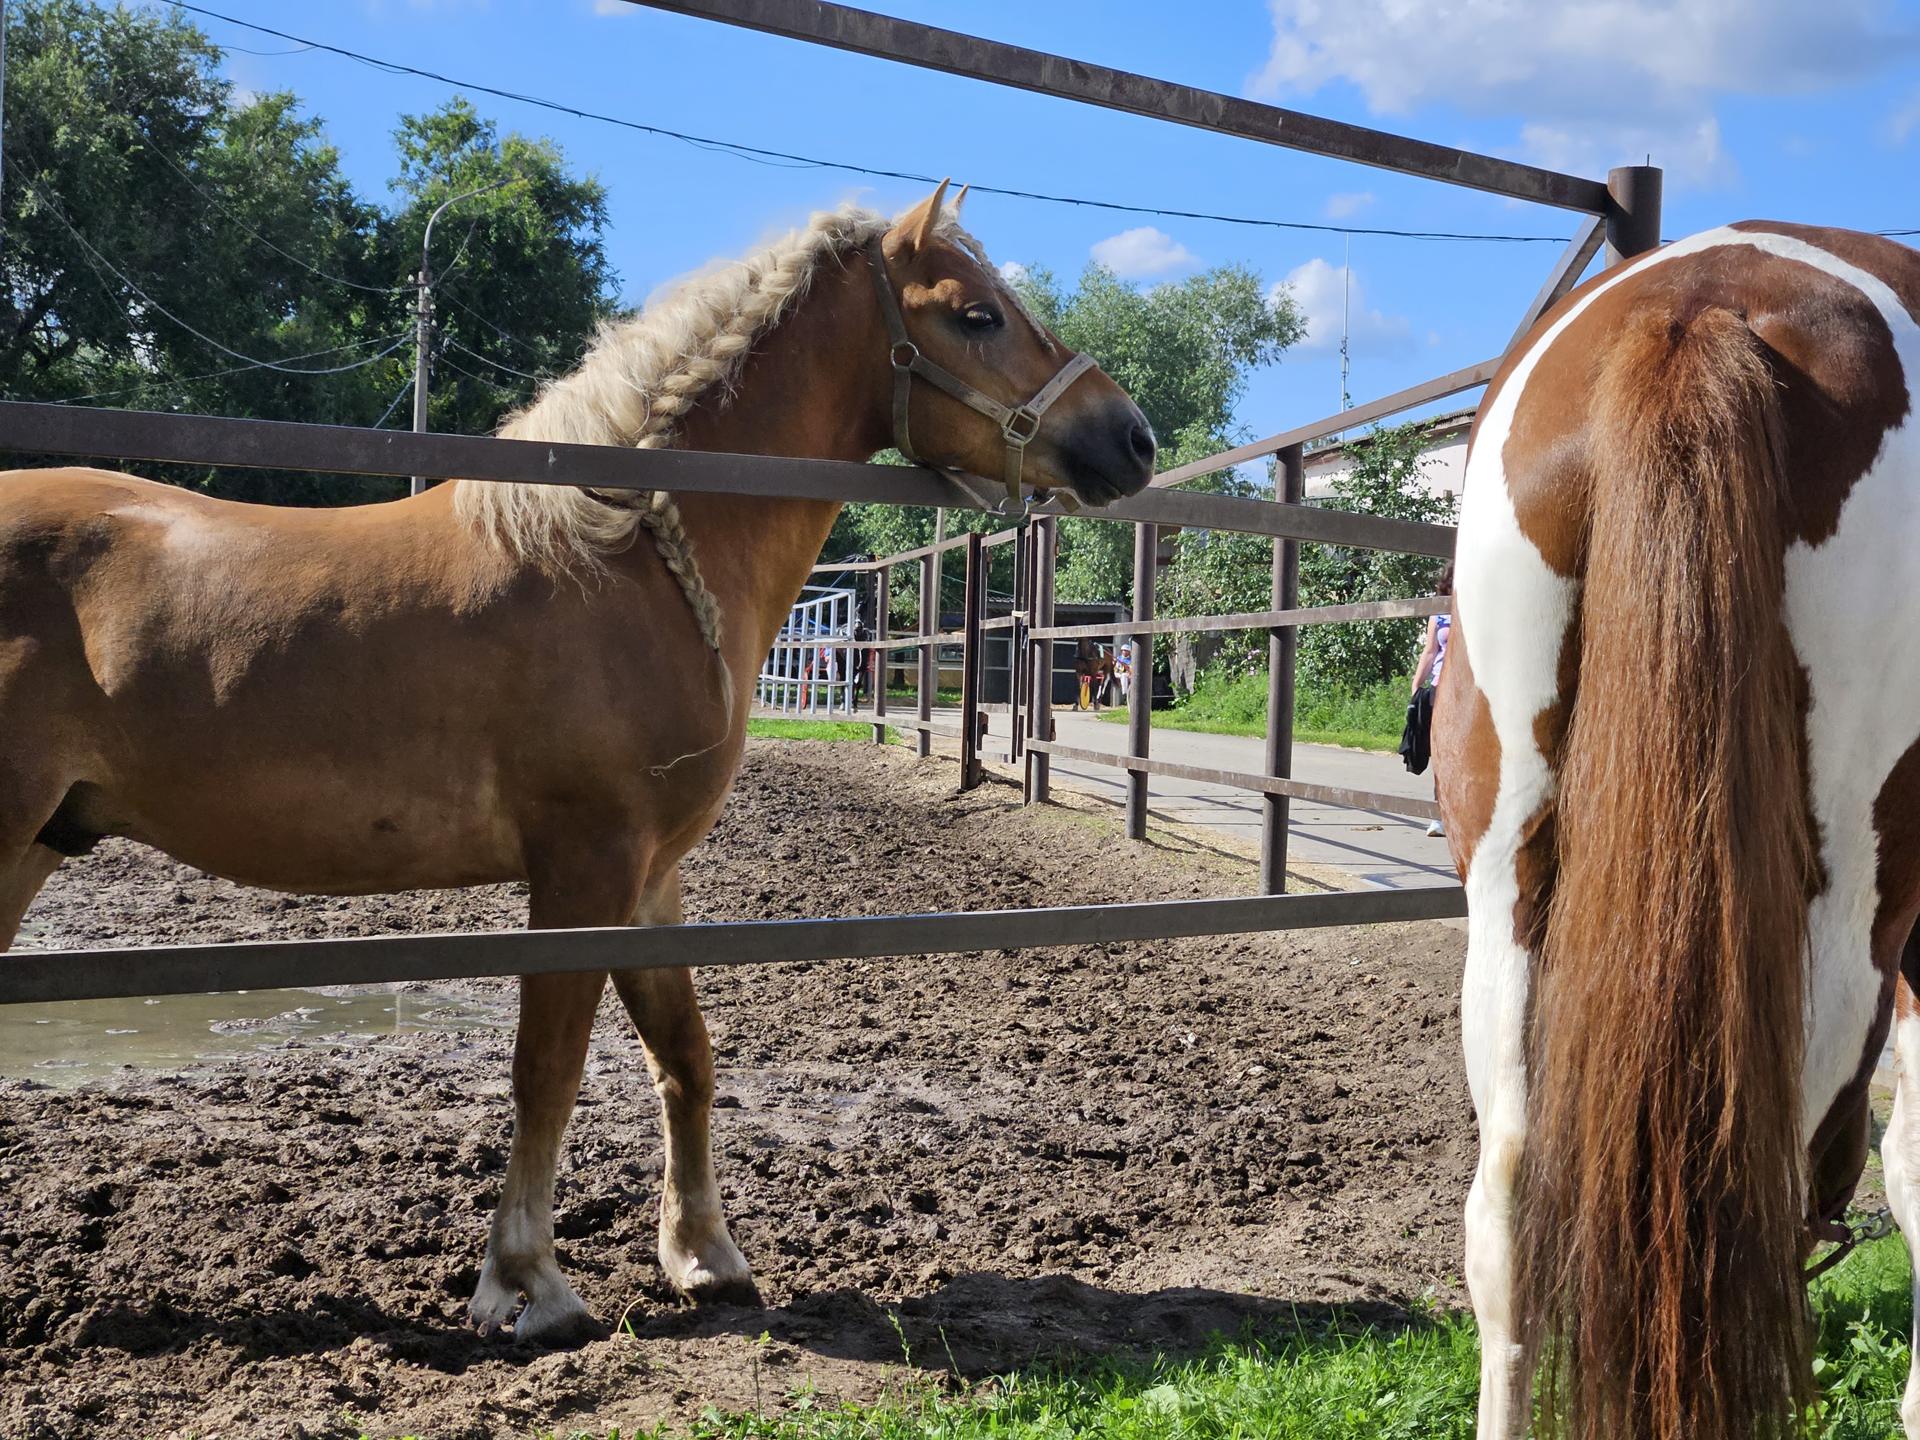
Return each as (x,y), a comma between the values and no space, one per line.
(1372,847)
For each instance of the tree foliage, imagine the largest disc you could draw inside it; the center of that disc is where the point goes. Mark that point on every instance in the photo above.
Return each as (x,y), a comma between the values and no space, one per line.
(162,233)
(1384,479)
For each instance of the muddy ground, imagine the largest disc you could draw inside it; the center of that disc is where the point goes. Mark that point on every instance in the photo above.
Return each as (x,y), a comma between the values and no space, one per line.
(1013,1156)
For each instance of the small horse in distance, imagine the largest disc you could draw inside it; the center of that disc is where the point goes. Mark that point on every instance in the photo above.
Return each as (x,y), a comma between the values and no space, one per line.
(1678,750)
(493,682)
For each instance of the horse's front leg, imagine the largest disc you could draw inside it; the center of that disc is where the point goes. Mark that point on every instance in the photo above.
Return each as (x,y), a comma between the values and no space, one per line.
(549,1056)
(697,1253)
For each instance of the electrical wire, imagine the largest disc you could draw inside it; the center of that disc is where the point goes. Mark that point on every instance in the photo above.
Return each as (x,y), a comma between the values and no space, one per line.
(153,381)
(489,360)
(99,261)
(441,297)
(787,160)
(221,206)
(405,390)
(782,159)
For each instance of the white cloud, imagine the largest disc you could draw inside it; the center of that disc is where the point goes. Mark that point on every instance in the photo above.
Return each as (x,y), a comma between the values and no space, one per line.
(1143,252)
(1320,294)
(1348,204)
(1012,271)
(1573,68)
(1904,123)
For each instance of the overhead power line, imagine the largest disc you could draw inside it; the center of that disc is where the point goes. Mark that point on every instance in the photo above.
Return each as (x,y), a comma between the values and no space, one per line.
(99,261)
(155,381)
(226,210)
(763,155)
(489,360)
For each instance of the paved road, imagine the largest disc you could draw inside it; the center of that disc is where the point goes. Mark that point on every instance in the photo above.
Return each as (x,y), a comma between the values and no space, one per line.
(1370,846)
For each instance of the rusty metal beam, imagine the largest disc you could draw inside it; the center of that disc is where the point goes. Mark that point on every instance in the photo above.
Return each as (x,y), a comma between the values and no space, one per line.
(35,977)
(1436,389)
(908,42)
(1413,609)
(32,428)
(1247,780)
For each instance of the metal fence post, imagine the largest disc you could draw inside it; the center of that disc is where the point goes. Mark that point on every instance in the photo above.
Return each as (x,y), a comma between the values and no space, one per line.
(882,632)
(1020,618)
(1633,218)
(1283,648)
(973,652)
(1040,665)
(1146,545)
(929,626)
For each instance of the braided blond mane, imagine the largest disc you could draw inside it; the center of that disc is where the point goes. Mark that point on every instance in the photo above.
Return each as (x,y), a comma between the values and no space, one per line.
(635,387)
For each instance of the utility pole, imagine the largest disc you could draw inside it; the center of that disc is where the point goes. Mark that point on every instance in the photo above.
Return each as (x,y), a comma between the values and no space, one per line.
(423,313)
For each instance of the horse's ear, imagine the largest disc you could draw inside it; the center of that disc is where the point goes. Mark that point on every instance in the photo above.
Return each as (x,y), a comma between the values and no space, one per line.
(960,200)
(917,225)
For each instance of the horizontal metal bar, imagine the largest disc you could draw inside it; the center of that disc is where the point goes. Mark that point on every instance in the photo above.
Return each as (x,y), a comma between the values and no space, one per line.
(886,38)
(1247,780)
(987,542)
(1256,619)
(35,977)
(33,428)
(1436,389)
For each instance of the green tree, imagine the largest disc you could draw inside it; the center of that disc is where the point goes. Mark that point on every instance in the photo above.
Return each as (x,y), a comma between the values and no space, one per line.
(1183,352)
(521,279)
(1384,480)
(161,238)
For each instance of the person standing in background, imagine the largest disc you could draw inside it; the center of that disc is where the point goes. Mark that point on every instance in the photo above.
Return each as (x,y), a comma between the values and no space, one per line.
(1433,655)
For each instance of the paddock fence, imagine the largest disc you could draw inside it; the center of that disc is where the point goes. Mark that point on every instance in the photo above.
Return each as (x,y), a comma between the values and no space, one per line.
(1624,212)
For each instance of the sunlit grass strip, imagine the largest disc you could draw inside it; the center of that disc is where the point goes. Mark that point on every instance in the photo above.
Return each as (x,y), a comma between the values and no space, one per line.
(831,730)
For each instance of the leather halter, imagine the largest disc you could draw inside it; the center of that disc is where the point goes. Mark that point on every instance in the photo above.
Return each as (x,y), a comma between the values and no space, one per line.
(1018,424)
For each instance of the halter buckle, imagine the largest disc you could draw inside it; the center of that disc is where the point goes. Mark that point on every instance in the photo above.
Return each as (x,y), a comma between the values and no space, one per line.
(1021,426)
(903,355)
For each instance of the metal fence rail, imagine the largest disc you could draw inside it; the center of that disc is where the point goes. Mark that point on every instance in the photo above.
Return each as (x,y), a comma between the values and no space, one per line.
(1626,215)
(34,976)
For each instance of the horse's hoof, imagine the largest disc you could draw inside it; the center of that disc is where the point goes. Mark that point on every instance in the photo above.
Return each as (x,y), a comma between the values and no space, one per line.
(559,1325)
(716,1291)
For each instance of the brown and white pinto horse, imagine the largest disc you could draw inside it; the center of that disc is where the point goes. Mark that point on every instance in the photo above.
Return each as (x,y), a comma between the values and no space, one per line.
(491,683)
(1678,746)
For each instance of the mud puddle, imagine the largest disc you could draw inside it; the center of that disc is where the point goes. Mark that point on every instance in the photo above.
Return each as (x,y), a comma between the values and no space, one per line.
(80,1040)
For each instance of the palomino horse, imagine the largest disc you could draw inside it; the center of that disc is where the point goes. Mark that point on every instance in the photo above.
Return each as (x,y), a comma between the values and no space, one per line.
(1678,746)
(490,683)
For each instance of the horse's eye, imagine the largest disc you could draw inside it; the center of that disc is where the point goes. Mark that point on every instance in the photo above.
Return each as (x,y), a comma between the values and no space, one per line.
(981,317)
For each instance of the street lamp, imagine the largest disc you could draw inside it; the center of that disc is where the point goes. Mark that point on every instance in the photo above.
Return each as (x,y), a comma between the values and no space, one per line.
(423,313)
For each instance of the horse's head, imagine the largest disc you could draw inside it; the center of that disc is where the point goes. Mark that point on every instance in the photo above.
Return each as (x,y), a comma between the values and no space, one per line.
(981,385)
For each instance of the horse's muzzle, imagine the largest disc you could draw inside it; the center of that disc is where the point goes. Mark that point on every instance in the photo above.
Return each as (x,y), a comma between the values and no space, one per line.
(1107,453)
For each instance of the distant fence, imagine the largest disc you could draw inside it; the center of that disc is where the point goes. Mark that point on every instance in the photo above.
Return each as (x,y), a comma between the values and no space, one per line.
(1625,211)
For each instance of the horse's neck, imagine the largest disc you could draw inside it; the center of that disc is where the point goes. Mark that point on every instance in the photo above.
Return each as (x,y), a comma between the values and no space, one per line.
(817,389)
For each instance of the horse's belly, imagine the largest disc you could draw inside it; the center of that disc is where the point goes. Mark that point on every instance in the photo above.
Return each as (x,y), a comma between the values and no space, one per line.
(323,837)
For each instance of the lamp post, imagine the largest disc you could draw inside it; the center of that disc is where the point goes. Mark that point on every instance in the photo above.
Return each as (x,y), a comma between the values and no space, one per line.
(423,314)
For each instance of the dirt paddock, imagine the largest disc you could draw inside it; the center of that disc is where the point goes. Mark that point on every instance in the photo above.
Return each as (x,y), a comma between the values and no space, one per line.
(1010,1155)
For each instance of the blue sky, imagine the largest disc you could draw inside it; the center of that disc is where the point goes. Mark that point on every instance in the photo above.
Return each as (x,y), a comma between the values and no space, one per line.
(1778,108)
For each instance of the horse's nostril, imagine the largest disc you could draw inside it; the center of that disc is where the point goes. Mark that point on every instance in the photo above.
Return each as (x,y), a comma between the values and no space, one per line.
(1141,439)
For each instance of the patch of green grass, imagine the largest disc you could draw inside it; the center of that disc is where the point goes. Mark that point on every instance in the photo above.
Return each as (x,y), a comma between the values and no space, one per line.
(832,730)
(1313,1383)
(1369,719)
(908,697)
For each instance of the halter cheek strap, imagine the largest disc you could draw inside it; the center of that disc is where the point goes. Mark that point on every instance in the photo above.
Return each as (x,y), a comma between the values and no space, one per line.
(1018,424)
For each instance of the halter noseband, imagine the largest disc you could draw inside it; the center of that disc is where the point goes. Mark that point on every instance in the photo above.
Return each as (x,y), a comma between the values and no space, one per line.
(1018,425)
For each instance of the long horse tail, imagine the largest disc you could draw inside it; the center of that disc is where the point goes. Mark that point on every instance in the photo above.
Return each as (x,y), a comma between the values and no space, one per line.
(1661,1203)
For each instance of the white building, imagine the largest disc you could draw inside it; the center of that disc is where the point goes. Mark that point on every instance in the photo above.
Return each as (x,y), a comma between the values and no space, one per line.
(1444,466)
